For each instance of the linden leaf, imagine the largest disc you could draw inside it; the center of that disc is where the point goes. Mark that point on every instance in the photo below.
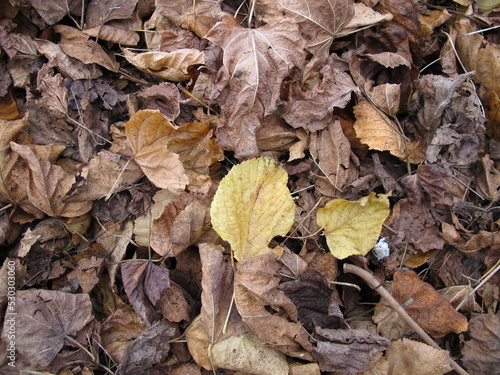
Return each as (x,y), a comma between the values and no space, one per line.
(353,227)
(252,205)
(380,133)
(146,132)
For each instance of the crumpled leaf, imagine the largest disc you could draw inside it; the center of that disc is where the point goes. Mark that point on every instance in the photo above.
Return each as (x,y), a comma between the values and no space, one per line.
(47,184)
(425,305)
(45,318)
(146,132)
(346,351)
(413,357)
(248,85)
(251,206)
(172,66)
(481,354)
(380,133)
(101,11)
(353,227)
(144,283)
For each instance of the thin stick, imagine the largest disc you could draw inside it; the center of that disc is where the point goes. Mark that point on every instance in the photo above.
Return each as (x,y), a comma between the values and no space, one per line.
(375,285)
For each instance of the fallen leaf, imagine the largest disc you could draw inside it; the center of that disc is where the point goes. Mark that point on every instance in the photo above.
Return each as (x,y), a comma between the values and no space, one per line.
(432,20)
(144,283)
(389,323)
(252,206)
(172,66)
(118,31)
(461,295)
(175,304)
(426,306)
(346,351)
(44,320)
(99,12)
(146,132)
(163,97)
(468,241)
(353,227)
(380,133)
(53,11)
(413,357)
(47,184)
(481,353)
(255,63)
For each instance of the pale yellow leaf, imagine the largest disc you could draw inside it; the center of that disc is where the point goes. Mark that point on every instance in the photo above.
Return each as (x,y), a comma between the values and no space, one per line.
(172,66)
(353,227)
(252,205)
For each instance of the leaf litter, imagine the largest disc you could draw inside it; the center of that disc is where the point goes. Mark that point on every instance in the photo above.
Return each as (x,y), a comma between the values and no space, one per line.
(192,186)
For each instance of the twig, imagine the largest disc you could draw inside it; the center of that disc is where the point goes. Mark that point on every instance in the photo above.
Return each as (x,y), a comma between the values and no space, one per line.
(375,285)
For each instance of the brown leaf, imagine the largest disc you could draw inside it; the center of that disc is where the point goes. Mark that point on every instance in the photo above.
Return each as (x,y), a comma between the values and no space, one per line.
(118,31)
(426,306)
(163,97)
(248,85)
(481,354)
(150,348)
(379,132)
(47,184)
(44,320)
(468,241)
(146,132)
(52,11)
(118,331)
(172,66)
(182,223)
(320,22)
(312,109)
(101,11)
(346,351)
(76,44)
(54,94)
(413,357)
(175,304)
(332,150)
(256,284)
(144,282)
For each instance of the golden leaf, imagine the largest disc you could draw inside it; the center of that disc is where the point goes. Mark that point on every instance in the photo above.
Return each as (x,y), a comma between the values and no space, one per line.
(380,133)
(353,227)
(252,205)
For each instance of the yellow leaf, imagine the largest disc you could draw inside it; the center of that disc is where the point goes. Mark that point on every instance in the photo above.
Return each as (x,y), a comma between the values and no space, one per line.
(353,227)
(380,133)
(252,205)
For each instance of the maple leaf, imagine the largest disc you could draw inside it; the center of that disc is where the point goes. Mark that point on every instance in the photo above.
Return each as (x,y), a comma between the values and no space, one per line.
(353,227)
(248,85)
(251,206)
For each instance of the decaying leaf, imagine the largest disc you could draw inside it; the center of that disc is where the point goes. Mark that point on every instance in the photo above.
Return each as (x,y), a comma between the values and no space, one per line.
(426,306)
(45,318)
(172,66)
(379,132)
(146,132)
(252,206)
(353,227)
(255,63)
(413,357)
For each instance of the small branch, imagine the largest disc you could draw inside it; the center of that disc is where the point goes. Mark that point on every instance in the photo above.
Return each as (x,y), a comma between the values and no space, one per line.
(375,285)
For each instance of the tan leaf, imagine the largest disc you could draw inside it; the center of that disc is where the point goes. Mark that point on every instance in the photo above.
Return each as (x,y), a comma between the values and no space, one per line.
(432,20)
(463,296)
(251,206)
(54,94)
(320,21)
(118,31)
(76,44)
(413,357)
(426,306)
(48,184)
(380,133)
(146,132)
(101,11)
(172,66)
(45,318)
(364,16)
(248,85)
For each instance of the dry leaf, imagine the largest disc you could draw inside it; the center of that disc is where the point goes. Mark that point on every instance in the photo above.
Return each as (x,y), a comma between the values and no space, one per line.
(252,206)
(426,306)
(248,85)
(416,358)
(353,227)
(461,295)
(44,320)
(380,133)
(172,66)
(52,11)
(47,184)
(146,132)
(101,11)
